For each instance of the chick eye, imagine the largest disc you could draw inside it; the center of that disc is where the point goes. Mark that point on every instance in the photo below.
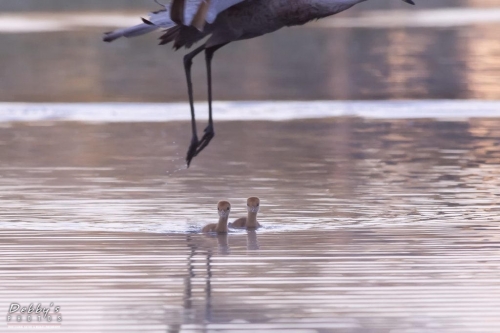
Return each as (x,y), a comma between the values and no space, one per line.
(228,208)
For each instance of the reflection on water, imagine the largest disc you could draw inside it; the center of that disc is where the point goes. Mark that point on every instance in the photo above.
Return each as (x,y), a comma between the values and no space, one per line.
(370,225)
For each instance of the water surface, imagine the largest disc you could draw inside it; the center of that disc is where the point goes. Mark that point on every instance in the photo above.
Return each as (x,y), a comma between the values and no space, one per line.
(378,217)
(371,225)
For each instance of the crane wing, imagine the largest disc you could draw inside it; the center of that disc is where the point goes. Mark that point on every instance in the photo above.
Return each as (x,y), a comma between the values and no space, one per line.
(197,12)
(174,13)
(190,12)
(178,12)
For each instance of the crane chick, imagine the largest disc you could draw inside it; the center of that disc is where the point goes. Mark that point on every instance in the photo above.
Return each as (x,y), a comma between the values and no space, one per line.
(223,207)
(249,222)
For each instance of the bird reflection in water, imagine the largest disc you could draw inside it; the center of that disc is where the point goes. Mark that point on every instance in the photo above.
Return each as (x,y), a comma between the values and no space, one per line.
(252,240)
(200,247)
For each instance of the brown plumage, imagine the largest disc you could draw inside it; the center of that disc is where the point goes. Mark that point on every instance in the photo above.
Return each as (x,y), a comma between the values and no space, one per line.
(223,208)
(250,221)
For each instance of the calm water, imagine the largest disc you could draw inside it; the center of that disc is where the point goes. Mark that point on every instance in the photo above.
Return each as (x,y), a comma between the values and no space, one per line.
(370,226)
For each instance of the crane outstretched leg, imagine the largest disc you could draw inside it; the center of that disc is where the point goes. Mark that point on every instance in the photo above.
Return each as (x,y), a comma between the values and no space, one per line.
(188,62)
(209,130)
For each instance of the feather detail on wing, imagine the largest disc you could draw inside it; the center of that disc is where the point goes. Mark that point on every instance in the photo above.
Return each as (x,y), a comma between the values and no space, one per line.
(177,11)
(157,20)
(194,13)
(197,12)
(199,19)
(134,31)
(163,18)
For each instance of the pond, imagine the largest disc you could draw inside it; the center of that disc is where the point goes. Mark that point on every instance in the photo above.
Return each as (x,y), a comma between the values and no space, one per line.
(377,216)
(370,225)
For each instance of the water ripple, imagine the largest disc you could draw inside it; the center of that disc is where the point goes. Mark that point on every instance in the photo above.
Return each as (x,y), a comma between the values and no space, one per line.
(369,226)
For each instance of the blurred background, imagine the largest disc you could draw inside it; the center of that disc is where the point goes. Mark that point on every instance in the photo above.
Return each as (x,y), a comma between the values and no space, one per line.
(51,51)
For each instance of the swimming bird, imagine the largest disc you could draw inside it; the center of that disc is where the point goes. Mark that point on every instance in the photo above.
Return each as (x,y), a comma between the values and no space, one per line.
(223,207)
(186,22)
(249,222)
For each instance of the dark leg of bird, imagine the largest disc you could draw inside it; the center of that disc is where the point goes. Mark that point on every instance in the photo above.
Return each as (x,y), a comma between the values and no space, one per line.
(188,62)
(209,130)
